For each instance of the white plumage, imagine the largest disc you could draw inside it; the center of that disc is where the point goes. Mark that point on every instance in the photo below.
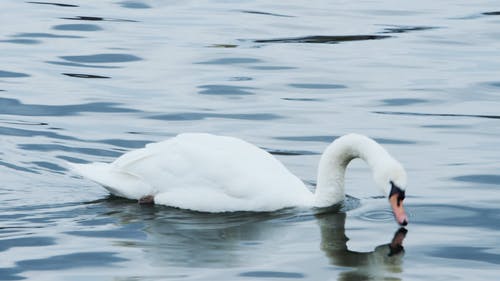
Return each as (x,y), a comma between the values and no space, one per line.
(202,172)
(210,173)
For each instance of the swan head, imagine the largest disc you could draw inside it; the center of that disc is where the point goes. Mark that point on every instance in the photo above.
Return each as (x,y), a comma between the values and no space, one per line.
(392,180)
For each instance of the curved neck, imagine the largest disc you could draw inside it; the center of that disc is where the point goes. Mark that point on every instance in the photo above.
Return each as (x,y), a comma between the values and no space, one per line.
(334,161)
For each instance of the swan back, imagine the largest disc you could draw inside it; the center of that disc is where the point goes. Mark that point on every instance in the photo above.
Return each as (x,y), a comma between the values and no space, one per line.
(205,172)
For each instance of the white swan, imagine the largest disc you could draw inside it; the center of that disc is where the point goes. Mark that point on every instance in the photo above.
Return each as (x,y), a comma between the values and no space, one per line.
(210,173)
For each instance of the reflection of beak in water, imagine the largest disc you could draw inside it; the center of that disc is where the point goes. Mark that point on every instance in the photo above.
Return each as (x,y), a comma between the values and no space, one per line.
(383,262)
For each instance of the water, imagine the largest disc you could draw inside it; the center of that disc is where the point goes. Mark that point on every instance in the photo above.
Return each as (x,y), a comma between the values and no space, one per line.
(87,81)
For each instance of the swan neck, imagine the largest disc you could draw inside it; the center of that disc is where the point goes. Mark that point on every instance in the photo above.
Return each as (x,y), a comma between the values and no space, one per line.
(334,161)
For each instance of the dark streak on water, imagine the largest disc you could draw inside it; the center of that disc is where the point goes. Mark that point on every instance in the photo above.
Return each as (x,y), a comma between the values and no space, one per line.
(273,274)
(301,99)
(17,132)
(317,86)
(224,61)
(405,29)
(225,90)
(61,262)
(77,27)
(87,18)
(437,114)
(15,107)
(125,143)
(46,35)
(47,166)
(53,4)
(21,41)
(16,167)
(11,74)
(62,148)
(82,65)
(134,5)
(496,13)
(7,131)
(102,58)
(271,67)
(33,241)
(289,152)
(266,14)
(482,179)
(401,102)
(192,116)
(80,75)
(332,39)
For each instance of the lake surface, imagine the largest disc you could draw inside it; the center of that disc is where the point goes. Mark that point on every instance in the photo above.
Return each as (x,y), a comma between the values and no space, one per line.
(84,81)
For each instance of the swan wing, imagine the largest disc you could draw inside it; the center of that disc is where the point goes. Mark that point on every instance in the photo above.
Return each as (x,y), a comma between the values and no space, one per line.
(209,173)
(117,182)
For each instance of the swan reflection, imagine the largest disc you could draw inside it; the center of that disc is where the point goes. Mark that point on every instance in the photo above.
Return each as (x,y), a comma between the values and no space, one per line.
(185,239)
(383,262)
(176,237)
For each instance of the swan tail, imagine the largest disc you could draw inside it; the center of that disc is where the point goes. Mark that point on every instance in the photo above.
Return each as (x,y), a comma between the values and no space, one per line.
(117,182)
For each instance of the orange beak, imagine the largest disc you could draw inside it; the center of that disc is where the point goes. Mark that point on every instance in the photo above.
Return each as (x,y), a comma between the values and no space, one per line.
(398,210)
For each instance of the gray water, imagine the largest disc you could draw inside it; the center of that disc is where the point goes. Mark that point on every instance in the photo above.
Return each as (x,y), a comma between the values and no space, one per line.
(84,81)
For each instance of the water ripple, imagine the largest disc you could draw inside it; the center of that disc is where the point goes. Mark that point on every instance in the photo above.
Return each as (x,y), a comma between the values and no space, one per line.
(134,5)
(17,168)
(273,274)
(52,3)
(21,41)
(272,67)
(405,29)
(77,27)
(32,241)
(403,101)
(484,179)
(191,116)
(83,65)
(48,166)
(495,13)
(225,90)
(60,147)
(332,39)
(284,152)
(224,61)
(102,58)
(437,114)
(377,215)
(15,107)
(16,132)
(87,18)
(317,86)
(265,13)
(68,261)
(10,74)
(127,232)
(45,35)
(81,75)
(302,99)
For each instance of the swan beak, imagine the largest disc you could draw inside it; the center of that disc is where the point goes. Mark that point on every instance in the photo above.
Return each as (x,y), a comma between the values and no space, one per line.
(398,210)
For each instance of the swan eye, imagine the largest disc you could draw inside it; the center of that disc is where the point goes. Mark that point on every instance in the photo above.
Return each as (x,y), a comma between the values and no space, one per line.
(396,190)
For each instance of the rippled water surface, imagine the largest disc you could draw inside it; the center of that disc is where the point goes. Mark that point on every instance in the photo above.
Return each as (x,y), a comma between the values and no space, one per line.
(84,81)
